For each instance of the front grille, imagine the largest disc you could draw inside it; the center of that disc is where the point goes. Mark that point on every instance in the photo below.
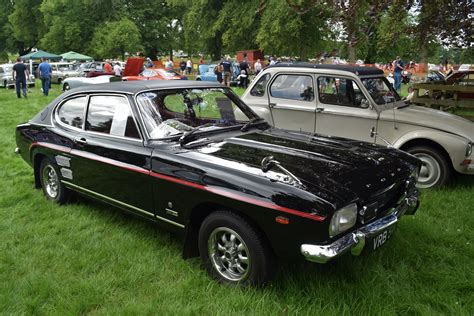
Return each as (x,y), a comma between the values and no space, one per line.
(377,205)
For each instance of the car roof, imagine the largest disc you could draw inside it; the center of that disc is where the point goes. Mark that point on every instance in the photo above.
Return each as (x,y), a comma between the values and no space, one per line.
(133,87)
(358,70)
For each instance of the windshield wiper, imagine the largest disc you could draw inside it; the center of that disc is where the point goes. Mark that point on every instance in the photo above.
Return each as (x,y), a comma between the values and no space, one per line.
(255,120)
(188,136)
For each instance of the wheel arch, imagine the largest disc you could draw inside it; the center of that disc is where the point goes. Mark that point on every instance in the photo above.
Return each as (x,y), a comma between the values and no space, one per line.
(37,159)
(429,143)
(196,218)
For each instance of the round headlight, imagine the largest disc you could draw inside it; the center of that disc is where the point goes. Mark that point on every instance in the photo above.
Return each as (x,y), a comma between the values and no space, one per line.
(343,219)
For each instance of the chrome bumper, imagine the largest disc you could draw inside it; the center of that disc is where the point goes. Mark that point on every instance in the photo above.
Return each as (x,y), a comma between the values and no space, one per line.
(355,241)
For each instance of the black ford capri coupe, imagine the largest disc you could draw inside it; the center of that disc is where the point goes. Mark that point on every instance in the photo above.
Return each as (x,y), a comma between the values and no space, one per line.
(192,157)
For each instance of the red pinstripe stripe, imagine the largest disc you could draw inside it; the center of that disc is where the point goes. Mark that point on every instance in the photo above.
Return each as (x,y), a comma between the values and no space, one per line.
(217,191)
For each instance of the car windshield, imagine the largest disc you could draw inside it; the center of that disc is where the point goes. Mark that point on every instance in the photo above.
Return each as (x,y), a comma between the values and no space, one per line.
(169,73)
(170,113)
(381,90)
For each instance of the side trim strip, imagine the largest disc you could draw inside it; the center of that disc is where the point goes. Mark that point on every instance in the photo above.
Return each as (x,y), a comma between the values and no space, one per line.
(217,191)
(84,190)
(234,196)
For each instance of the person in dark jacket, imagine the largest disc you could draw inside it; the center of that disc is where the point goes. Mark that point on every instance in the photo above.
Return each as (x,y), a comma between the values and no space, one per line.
(20,74)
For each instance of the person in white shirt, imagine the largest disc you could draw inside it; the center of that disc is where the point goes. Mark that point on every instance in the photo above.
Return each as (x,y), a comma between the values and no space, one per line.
(189,66)
(257,67)
(117,70)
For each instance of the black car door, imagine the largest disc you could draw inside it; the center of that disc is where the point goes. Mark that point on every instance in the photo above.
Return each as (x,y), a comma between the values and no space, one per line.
(109,159)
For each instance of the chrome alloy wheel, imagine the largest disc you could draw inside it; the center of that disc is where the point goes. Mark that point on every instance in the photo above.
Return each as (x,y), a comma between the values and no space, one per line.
(430,172)
(229,254)
(50,181)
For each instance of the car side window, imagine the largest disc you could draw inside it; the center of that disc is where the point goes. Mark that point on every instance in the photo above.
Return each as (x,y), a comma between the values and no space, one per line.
(111,115)
(71,112)
(294,87)
(340,91)
(259,88)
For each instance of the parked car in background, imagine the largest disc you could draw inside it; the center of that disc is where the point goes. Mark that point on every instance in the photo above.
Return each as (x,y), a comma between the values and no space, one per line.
(93,69)
(359,103)
(61,71)
(75,82)
(240,192)
(6,77)
(206,73)
(156,74)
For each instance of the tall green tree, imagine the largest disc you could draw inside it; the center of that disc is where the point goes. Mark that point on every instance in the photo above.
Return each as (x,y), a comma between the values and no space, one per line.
(72,24)
(159,24)
(447,22)
(27,25)
(293,27)
(6,8)
(114,39)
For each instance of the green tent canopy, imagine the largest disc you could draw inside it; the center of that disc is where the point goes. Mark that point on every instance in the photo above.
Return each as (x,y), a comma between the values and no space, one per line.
(40,54)
(75,56)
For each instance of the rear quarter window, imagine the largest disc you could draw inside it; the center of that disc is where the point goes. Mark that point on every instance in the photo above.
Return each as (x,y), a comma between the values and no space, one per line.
(71,112)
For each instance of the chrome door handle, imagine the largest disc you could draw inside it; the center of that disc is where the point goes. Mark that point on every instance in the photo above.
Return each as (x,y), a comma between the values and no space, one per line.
(319,110)
(272,105)
(81,140)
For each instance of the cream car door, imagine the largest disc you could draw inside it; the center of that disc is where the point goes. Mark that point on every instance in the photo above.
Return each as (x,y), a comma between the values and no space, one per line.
(292,102)
(343,109)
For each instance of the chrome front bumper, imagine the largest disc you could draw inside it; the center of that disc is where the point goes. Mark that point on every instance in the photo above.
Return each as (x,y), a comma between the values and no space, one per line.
(355,241)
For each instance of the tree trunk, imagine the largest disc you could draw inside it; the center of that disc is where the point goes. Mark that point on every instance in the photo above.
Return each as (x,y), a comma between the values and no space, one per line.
(152,53)
(351,52)
(372,47)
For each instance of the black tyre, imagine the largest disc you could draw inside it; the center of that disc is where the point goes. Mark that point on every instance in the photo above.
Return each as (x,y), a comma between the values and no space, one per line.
(66,87)
(233,252)
(435,169)
(51,184)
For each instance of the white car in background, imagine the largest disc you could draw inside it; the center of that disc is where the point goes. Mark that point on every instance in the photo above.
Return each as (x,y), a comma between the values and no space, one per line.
(6,77)
(71,83)
(359,103)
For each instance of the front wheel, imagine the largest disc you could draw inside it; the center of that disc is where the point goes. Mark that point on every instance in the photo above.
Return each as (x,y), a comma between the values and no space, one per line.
(52,187)
(66,86)
(233,252)
(435,169)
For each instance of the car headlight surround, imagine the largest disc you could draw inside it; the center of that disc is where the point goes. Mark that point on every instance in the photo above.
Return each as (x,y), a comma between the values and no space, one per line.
(469,149)
(343,219)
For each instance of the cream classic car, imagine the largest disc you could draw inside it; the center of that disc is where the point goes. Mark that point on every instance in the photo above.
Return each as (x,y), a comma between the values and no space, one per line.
(359,103)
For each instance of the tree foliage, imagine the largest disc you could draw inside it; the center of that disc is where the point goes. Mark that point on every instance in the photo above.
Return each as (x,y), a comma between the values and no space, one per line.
(114,39)
(372,30)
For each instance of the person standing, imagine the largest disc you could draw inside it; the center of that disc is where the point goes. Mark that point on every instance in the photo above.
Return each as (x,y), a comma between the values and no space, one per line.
(189,66)
(117,69)
(20,74)
(397,73)
(218,71)
(182,67)
(107,67)
(244,77)
(257,67)
(227,67)
(45,75)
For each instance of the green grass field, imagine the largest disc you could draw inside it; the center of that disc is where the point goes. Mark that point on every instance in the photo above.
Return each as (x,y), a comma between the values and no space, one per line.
(86,257)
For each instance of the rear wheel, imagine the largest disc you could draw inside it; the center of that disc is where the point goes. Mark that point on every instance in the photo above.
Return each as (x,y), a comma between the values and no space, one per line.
(66,87)
(233,252)
(435,169)
(52,187)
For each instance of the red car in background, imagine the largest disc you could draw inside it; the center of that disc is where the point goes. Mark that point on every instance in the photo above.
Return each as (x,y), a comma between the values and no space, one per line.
(156,74)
